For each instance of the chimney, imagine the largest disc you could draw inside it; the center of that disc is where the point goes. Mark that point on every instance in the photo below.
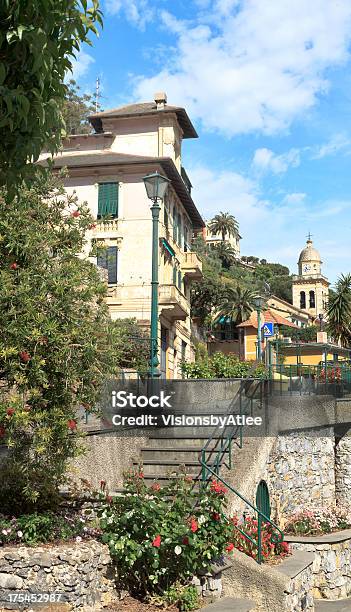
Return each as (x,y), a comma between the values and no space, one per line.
(160,99)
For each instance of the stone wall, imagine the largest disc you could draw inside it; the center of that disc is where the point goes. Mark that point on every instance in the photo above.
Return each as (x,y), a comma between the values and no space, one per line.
(343,470)
(283,588)
(301,472)
(332,563)
(81,572)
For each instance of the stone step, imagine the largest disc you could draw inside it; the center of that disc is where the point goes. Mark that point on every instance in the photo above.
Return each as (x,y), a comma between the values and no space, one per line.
(339,605)
(169,466)
(182,442)
(181,454)
(230,604)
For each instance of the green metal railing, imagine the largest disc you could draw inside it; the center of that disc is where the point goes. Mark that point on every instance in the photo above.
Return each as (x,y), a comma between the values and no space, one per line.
(212,456)
(330,379)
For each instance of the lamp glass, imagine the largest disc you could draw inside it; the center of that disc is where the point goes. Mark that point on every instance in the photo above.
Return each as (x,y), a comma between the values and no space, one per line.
(258,302)
(156,186)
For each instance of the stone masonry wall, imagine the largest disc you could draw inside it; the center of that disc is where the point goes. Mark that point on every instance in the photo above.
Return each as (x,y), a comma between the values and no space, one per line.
(343,471)
(81,572)
(331,567)
(299,592)
(301,472)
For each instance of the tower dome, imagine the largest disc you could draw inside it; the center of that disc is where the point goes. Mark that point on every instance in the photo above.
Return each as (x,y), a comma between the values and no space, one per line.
(309,253)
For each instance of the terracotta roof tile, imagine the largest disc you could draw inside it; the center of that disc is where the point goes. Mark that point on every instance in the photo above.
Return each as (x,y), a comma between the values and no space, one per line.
(267,316)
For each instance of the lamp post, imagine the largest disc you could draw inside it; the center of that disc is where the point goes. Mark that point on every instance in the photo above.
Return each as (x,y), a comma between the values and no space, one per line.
(258,303)
(156,186)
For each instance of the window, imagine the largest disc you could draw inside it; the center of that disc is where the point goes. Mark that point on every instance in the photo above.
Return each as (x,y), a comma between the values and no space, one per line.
(174,275)
(107,260)
(183,353)
(175,226)
(312,300)
(108,200)
(302,299)
(180,280)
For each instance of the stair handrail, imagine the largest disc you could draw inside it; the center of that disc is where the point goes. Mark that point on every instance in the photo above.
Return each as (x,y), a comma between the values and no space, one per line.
(208,468)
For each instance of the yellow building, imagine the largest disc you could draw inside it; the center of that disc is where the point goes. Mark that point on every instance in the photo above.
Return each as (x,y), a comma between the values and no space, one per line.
(310,287)
(248,332)
(106,169)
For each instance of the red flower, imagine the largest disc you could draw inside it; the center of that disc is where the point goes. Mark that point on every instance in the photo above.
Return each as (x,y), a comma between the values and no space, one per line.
(10,411)
(141,475)
(216,516)
(92,226)
(193,525)
(230,547)
(217,487)
(285,546)
(155,486)
(102,485)
(75,213)
(24,356)
(14,266)
(2,431)
(186,541)
(157,541)
(71,424)
(109,499)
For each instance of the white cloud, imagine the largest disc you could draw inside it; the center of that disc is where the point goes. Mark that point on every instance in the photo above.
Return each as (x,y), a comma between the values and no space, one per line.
(252,65)
(294,198)
(138,12)
(339,142)
(264,160)
(81,65)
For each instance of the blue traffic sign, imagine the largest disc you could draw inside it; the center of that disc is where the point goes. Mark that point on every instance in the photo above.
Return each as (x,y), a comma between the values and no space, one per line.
(268,330)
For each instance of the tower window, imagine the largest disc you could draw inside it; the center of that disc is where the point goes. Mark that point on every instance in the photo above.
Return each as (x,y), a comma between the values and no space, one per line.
(312,300)
(302,299)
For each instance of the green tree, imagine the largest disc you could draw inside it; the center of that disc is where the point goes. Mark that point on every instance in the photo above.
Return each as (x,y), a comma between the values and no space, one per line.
(38,41)
(225,253)
(225,225)
(131,345)
(76,110)
(339,311)
(238,304)
(56,343)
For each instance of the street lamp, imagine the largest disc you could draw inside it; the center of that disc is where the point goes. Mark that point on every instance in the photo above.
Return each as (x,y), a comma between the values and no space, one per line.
(156,186)
(258,303)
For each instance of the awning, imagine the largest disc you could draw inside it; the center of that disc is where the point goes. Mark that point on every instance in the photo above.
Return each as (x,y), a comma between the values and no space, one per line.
(168,247)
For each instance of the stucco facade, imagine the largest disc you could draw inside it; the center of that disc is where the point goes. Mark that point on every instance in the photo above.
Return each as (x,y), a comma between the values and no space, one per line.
(310,287)
(130,143)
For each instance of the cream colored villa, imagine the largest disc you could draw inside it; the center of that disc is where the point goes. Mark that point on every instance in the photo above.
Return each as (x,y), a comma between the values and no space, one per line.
(310,287)
(106,169)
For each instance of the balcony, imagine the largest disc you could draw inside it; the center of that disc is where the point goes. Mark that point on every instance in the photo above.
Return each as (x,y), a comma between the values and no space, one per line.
(192,267)
(105,228)
(172,303)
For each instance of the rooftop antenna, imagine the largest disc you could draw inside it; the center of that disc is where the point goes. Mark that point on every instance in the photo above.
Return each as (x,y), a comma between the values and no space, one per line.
(97,94)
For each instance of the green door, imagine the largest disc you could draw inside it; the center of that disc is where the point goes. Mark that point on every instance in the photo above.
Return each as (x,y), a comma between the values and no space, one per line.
(262,499)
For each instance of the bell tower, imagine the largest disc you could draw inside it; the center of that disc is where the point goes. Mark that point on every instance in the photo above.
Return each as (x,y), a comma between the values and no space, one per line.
(310,287)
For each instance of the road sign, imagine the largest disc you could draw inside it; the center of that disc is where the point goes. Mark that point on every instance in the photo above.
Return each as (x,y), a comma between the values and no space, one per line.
(268,330)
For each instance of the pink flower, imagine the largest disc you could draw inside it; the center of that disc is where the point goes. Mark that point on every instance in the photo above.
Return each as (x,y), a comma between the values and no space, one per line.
(193,525)
(24,356)
(155,486)
(71,424)
(14,266)
(75,213)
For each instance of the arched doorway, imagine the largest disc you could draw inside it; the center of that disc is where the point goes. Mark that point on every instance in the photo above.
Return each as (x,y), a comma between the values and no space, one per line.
(262,499)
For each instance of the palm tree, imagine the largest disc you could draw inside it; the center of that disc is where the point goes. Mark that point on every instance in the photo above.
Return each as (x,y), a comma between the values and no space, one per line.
(339,311)
(225,253)
(238,304)
(224,224)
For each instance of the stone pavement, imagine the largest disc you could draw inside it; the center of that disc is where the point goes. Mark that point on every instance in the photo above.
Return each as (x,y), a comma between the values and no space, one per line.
(230,604)
(341,605)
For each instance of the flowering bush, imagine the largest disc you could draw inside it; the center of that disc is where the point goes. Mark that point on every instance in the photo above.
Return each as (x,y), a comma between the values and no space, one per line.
(318,520)
(333,375)
(249,525)
(160,535)
(55,339)
(222,366)
(31,529)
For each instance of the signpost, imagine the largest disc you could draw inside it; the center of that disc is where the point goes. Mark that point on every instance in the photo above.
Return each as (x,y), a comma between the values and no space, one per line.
(268,330)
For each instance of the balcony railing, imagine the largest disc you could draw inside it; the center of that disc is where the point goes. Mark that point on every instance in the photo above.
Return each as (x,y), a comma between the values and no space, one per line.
(192,266)
(104,228)
(173,303)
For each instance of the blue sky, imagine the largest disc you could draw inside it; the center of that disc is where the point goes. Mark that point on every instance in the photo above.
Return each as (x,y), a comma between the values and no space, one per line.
(268,85)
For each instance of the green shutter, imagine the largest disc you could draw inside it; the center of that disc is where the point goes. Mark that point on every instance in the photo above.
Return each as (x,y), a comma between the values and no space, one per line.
(174,275)
(108,200)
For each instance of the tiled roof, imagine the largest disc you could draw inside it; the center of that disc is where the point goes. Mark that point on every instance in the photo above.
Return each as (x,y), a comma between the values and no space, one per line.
(267,316)
(142,109)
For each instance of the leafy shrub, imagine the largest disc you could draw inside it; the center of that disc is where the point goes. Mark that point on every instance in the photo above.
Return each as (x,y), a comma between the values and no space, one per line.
(270,547)
(318,520)
(159,536)
(186,597)
(32,529)
(223,366)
